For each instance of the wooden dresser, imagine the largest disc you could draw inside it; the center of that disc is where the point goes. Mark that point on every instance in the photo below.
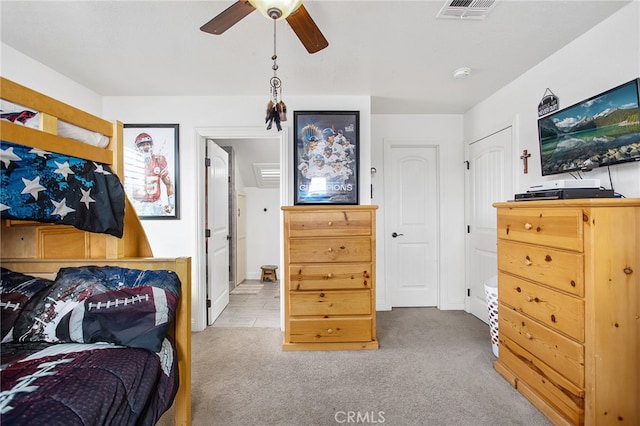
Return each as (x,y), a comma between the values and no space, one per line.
(569,307)
(329,278)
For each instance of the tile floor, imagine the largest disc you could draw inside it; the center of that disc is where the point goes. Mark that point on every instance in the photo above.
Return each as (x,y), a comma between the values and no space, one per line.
(253,310)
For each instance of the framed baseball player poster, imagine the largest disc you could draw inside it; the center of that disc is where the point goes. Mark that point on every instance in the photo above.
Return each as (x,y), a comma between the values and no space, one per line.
(326,157)
(151,169)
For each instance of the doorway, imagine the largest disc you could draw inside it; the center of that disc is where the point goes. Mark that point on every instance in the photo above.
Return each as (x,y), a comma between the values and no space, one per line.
(254,204)
(237,224)
(279,143)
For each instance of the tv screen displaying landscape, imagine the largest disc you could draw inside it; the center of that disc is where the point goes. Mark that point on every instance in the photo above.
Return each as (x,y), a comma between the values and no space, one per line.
(600,131)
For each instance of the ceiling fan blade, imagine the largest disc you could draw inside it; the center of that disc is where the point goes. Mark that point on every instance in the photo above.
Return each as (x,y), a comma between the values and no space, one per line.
(228,18)
(307,30)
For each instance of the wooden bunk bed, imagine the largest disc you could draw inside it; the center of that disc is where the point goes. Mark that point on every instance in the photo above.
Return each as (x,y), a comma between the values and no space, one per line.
(42,249)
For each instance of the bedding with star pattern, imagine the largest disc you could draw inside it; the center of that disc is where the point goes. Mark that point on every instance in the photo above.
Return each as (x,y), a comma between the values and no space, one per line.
(54,188)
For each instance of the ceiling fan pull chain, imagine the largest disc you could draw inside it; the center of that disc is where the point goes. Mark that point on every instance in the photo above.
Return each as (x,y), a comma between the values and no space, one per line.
(275,81)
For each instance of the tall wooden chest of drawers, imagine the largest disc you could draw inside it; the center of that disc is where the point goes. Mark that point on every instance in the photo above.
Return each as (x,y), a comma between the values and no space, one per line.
(329,278)
(569,307)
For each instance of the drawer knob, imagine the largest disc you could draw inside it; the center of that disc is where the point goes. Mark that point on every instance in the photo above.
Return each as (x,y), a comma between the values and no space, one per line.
(529,299)
(330,330)
(529,336)
(329,275)
(330,250)
(528,226)
(321,294)
(329,223)
(527,261)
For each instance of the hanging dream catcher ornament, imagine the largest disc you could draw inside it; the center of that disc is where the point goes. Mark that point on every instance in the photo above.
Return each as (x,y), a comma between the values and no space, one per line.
(276,108)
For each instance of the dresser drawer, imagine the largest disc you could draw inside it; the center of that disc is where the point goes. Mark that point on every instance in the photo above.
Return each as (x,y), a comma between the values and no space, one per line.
(566,397)
(319,250)
(556,268)
(329,223)
(335,330)
(350,302)
(561,228)
(330,276)
(561,353)
(557,310)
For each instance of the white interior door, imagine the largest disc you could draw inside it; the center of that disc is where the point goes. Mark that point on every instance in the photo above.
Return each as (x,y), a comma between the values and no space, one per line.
(241,235)
(489,180)
(218,225)
(411,182)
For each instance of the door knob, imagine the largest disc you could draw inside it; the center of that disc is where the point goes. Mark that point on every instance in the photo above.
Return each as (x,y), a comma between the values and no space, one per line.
(395,234)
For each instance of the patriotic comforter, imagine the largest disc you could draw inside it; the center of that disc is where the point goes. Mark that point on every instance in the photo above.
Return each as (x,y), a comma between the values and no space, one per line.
(89,347)
(55,188)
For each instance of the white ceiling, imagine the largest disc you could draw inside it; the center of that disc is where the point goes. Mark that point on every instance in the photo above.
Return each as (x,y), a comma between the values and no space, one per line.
(395,51)
(248,152)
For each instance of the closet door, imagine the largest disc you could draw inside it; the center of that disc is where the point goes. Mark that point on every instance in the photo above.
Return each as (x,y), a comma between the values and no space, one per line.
(412,223)
(489,179)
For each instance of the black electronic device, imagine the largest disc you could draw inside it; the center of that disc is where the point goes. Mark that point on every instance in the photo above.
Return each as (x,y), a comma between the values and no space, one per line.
(565,194)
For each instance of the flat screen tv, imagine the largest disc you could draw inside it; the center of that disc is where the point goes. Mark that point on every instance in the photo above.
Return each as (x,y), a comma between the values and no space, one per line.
(600,131)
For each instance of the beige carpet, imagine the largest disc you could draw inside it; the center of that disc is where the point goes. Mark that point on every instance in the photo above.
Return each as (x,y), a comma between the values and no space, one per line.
(433,368)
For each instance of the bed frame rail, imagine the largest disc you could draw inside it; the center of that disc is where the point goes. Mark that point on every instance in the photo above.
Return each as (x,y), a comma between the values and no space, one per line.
(181,332)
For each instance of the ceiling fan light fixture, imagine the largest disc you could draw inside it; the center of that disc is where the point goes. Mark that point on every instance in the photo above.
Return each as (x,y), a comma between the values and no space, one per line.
(276,9)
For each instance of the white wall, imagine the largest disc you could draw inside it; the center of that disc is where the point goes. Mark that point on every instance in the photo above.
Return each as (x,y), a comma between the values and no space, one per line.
(23,70)
(445,132)
(239,182)
(263,230)
(172,238)
(605,57)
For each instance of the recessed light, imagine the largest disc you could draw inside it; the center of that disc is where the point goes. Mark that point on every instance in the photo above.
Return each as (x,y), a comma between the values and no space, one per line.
(461,73)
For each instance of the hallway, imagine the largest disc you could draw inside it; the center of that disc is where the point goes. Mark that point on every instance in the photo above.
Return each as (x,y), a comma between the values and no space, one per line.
(261,309)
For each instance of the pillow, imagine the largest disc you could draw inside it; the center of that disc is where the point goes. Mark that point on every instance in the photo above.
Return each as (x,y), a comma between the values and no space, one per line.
(109,304)
(16,290)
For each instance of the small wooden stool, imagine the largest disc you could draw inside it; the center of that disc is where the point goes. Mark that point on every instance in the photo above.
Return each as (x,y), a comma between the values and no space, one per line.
(268,273)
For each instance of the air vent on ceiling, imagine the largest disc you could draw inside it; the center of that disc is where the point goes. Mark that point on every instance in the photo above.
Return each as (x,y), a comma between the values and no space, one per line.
(267,175)
(466,9)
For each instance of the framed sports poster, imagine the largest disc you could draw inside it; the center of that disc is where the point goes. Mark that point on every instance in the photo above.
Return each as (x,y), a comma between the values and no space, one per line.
(326,157)
(151,169)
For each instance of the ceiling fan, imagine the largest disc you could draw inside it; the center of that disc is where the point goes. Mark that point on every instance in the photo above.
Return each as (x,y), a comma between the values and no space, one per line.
(292,10)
